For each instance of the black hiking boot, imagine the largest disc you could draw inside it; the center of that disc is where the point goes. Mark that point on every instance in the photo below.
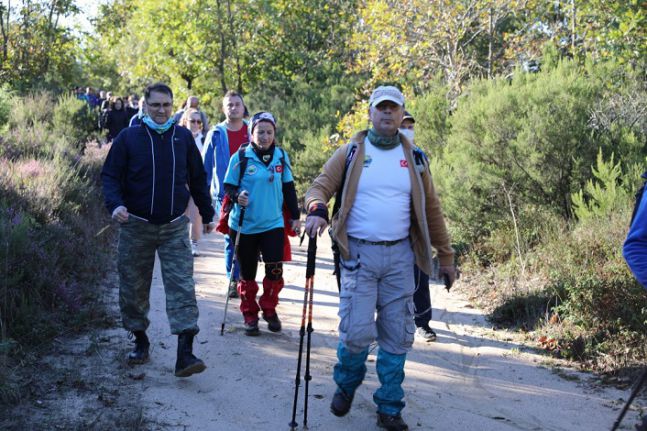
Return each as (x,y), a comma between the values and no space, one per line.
(273,322)
(341,403)
(391,423)
(233,289)
(187,364)
(140,354)
(251,328)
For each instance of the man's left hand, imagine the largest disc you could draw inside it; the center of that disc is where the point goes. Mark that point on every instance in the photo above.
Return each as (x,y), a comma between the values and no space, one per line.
(448,274)
(208,228)
(296,226)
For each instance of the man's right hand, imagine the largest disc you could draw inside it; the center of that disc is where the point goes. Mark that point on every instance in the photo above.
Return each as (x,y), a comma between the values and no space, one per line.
(243,198)
(120,214)
(315,223)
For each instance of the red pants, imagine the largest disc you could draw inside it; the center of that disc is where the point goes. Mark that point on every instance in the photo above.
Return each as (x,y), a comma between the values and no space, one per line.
(247,289)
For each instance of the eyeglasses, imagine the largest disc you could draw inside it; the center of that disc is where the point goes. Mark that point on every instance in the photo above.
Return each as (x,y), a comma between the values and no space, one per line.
(195,121)
(160,105)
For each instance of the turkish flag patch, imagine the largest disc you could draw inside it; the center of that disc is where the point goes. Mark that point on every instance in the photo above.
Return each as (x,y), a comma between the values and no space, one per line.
(404,164)
(279,168)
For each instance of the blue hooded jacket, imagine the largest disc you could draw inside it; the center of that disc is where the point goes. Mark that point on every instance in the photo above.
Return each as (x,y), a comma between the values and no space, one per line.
(153,175)
(635,247)
(216,159)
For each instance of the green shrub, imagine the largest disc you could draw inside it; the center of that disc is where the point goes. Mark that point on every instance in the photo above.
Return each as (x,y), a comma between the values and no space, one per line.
(307,163)
(50,215)
(5,106)
(35,110)
(73,120)
(529,140)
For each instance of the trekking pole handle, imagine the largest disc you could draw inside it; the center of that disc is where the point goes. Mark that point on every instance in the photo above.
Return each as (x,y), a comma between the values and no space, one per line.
(312,252)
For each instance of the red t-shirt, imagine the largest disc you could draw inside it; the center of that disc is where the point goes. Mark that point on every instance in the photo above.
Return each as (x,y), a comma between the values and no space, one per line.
(236,139)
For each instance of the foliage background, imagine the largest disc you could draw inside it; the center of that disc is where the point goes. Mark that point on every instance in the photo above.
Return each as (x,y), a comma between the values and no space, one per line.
(532,113)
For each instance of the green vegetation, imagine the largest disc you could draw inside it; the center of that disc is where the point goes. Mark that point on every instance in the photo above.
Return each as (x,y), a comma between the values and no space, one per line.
(532,113)
(51,257)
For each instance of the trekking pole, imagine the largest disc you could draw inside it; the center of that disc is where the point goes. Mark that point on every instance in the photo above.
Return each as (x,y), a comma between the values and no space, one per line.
(233,265)
(310,278)
(297,381)
(639,385)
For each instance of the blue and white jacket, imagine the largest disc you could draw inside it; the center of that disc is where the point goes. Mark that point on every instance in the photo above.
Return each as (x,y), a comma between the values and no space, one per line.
(154,175)
(215,155)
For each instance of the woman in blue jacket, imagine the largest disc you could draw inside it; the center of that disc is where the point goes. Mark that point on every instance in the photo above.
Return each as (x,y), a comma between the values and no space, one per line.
(635,248)
(265,185)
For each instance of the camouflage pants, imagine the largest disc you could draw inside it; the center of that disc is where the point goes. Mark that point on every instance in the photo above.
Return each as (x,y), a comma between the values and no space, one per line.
(138,242)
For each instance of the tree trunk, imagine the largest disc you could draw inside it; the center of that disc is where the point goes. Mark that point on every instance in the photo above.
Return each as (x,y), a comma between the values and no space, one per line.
(223,48)
(573,35)
(234,43)
(490,44)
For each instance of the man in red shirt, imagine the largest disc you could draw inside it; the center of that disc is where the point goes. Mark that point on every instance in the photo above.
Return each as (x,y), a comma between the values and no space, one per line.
(222,142)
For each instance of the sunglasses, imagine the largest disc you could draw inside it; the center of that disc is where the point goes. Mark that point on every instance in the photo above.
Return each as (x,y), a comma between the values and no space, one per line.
(195,121)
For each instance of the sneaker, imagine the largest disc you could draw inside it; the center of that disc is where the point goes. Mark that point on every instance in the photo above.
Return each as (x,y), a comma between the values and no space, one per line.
(341,403)
(194,249)
(426,333)
(391,423)
(251,329)
(233,289)
(273,322)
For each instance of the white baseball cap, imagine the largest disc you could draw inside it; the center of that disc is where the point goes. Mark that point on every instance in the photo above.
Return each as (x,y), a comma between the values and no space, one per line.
(386,92)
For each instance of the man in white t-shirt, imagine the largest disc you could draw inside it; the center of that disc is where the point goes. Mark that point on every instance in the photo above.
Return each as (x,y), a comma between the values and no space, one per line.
(389,218)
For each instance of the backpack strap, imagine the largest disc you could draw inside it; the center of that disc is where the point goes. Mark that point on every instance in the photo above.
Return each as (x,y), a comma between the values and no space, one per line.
(242,162)
(352,149)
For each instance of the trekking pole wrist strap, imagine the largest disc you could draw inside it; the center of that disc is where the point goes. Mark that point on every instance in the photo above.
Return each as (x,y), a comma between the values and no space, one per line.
(318,209)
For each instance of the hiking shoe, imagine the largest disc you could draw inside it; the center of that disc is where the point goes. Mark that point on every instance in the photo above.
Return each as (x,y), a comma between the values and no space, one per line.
(233,289)
(273,322)
(187,364)
(140,354)
(341,402)
(426,333)
(391,423)
(195,251)
(251,328)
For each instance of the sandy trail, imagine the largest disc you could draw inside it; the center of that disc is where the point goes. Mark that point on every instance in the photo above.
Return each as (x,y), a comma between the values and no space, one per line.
(463,381)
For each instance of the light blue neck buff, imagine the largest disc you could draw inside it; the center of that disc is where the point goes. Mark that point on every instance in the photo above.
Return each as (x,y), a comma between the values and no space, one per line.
(159,128)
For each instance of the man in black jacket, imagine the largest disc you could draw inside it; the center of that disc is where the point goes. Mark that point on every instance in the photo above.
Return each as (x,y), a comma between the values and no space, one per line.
(148,176)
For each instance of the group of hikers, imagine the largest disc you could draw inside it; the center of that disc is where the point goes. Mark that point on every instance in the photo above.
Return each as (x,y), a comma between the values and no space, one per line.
(167,167)
(167,172)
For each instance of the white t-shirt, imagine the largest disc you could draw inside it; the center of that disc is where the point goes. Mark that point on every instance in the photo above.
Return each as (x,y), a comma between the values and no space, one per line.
(382,207)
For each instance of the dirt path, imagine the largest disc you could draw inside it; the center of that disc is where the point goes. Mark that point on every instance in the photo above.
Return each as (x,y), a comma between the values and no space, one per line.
(461,382)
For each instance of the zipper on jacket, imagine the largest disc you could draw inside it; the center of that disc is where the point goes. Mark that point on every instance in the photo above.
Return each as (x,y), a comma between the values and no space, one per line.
(153,156)
(173,177)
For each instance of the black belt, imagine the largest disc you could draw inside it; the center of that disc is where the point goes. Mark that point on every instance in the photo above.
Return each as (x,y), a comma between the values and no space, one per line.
(384,243)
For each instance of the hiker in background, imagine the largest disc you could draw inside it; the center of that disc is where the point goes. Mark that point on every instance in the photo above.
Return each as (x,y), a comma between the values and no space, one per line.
(261,185)
(223,141)
(389,218)
(132,106)
(635,247)
(635,253)
(421,297)
(136,119)
(148,176)
(192,120)
(116,118)
(90,98)
(193,102)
